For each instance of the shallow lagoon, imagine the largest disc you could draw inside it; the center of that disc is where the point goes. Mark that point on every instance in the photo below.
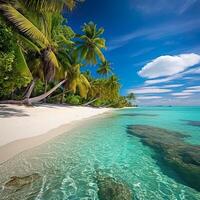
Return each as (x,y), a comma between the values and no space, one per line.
(68,163)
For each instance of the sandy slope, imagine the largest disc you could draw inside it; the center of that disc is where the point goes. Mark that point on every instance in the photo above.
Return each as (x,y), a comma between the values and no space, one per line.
(20,125)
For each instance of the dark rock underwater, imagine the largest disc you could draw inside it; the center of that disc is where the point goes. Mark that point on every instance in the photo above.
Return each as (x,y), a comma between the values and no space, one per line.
(183,157)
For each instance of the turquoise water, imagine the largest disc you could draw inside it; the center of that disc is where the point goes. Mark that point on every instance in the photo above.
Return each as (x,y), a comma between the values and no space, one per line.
(69,162)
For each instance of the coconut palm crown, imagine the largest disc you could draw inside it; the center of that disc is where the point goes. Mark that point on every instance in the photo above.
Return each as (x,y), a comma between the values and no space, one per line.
(91,44)
(104,68)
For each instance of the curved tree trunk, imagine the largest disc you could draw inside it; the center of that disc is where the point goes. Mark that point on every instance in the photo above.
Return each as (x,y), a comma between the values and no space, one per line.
(30,89)
(29,101)
(107,106)
(63,97)
(57,95)
(45,95)
(88,103)
(45,90)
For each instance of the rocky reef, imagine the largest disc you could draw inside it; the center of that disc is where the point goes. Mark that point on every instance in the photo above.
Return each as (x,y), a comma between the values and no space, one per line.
(111,189)
(183,157)
(138,115)
(19,182)
(192,123)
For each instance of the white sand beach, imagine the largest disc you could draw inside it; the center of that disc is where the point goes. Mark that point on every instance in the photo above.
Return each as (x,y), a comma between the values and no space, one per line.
(23,127)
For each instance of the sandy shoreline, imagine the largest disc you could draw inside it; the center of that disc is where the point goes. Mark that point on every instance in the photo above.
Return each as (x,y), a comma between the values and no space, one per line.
(23,127)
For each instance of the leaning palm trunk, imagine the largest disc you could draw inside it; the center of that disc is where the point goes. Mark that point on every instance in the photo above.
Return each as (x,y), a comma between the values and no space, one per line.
(30,101)
(57,95)
(45,95)
(45,90)
(88,103)
(109,105)
(30,89)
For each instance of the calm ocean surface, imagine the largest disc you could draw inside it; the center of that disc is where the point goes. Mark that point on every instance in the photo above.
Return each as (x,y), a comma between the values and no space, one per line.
(68,163)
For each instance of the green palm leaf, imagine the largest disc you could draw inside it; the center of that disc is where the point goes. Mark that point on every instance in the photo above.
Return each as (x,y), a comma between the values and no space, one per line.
(100,54)
(21,64)
(23,24)
(51,5)
(28,43)
(51,59)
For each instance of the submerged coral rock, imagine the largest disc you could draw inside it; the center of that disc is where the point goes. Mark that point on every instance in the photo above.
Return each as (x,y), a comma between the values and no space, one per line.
(18,182)
(110,189)
(138,115)
(192,123)
(183,157)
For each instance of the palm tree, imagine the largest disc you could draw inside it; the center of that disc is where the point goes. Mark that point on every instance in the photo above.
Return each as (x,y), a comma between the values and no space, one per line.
(35,29)
(104,68)
(50,5)
(113,83)
(131,96)
(76,81)
(90,44)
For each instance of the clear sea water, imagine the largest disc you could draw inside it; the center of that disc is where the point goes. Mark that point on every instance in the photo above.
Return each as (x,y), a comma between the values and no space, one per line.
(68,163)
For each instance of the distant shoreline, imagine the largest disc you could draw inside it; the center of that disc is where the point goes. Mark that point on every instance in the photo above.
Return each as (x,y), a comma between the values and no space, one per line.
(23,127)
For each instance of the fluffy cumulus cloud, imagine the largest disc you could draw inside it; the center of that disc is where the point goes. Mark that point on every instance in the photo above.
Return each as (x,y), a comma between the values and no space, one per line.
(193,71)
(171,80)
(169,65)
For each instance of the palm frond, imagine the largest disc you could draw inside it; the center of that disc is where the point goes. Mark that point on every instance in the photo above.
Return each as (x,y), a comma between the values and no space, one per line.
(101,43)
(21,64)
(51,5)
(51,59)
(28,43)
(100,54)
(23,24)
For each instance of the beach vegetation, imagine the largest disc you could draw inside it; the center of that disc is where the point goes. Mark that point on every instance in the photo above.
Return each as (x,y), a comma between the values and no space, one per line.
(42,59)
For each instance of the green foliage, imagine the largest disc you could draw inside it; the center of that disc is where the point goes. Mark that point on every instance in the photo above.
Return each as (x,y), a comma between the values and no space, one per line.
(38,44)
(10,78)
(91,43)
(6,38)
(104,68)
(130,96)
(74,99)
(121,102)
(50,5)
(61,33)
(10,75)
(39,88)
(100,102)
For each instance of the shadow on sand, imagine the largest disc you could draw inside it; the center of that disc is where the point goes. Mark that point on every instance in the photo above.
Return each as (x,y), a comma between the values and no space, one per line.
(6,112)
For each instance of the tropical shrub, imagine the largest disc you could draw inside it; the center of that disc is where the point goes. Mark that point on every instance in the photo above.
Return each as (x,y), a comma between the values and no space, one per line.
(73,99)
(10,76)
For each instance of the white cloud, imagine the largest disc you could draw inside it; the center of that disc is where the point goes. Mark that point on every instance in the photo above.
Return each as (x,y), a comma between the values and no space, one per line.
(157,32)
(169,65)
(153,7)
(162,80)
(172,86)
(192,91)
(149,97)
(195,70)
(181,94)
(149,90)
(183,97)
(142,51)
(186,5)
(194,87)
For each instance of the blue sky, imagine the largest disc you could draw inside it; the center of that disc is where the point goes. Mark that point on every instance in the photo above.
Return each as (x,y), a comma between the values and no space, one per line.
(154,46)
